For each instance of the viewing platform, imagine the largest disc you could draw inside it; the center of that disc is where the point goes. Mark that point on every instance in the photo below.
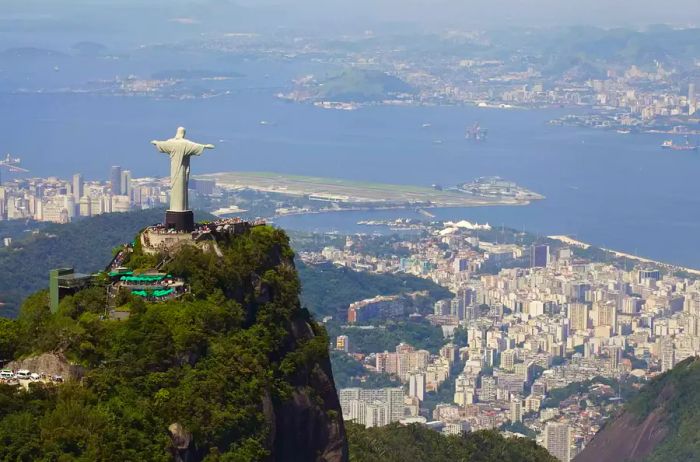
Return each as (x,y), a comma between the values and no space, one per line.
(152,286)
(159,239)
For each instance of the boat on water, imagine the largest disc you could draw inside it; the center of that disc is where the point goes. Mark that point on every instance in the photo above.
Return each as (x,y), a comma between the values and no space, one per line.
(476,133)
(688,146)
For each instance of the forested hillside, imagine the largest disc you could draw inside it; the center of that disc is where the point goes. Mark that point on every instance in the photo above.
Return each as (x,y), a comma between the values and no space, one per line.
(235,370)
(349,286)
(85,245)
(414,443)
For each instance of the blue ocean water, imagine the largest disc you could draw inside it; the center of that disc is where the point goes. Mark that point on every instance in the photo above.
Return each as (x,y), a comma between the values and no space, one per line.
(619,191)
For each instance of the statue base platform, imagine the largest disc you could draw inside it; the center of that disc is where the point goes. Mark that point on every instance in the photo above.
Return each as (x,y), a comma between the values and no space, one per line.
(180,221)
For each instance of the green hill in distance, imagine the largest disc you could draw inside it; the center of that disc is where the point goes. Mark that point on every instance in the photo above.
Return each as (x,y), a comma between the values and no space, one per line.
(361,85)
(414,443)
(660,424)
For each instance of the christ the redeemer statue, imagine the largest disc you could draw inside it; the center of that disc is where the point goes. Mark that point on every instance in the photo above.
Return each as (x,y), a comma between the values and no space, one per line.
(180,149)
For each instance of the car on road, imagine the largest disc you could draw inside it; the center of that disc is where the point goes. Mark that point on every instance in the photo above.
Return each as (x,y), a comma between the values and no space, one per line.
(24,374)
(7,374)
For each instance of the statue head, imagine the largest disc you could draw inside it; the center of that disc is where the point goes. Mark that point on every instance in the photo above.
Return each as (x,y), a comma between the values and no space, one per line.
(180,133)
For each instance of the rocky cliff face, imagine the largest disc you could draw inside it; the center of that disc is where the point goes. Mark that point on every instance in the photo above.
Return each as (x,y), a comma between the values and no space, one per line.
(49,364)
(307,424)
(303,429)
(661,423)
(626,438)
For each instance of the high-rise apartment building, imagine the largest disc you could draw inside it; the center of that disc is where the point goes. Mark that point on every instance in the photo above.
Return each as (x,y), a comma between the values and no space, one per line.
(508,360)
(539,256)
(488,389)
(372,407)
(516,409)
(204,187)
(78,187)
(125,183)
(607,315)
(578,316)
(115,180)
(406,359)
(615,357)
(557,440)
(416,385)
(667,354)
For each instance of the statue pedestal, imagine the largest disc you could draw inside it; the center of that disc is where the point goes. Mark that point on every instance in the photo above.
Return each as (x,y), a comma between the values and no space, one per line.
(180,221)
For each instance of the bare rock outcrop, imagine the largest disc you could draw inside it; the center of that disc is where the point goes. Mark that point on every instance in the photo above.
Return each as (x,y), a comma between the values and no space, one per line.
(181,441)
(628,437)
(50,364)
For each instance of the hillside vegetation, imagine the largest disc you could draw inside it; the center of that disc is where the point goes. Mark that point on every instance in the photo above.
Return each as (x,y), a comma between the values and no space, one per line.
(85,245)
(237,365)
(661,423)
(350,286)
(414,443)
(361,85)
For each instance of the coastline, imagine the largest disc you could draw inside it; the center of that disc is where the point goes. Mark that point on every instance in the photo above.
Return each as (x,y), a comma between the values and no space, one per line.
(584,245)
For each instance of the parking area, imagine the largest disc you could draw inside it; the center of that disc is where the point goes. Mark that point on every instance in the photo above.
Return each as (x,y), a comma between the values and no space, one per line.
(24,377)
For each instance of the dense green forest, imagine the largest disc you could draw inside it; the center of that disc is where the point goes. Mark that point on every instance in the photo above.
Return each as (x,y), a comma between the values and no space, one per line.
(20,229)
(85,245)
(349,286)
(349,372)
(208,362)
(414,443)
(418,333)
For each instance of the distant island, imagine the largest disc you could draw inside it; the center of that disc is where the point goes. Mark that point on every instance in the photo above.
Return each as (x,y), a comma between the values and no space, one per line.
(351,86)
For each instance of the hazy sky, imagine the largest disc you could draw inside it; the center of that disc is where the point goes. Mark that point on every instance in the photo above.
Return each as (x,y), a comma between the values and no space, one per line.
(494,12)
(165,20)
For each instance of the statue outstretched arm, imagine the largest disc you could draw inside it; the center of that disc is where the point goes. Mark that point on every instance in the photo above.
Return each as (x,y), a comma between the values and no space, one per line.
(196,149)
(159,145)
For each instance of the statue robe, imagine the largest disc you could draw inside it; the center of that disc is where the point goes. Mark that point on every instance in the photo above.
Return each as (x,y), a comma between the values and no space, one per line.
(179,150)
